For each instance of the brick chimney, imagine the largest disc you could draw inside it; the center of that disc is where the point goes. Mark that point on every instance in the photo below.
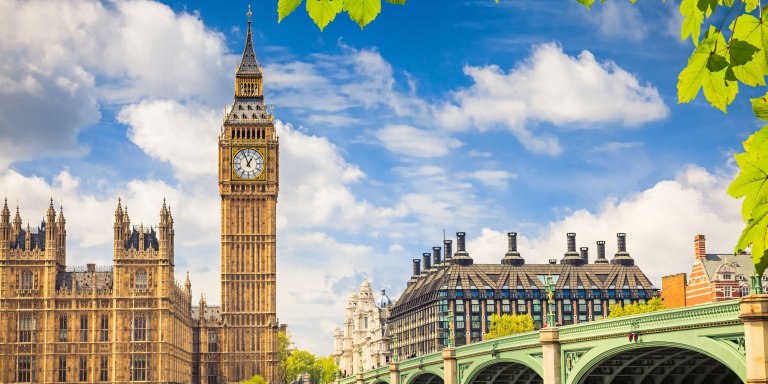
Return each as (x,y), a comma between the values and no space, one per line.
(700,247)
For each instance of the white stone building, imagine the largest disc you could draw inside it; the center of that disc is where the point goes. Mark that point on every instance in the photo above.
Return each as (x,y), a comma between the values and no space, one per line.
(364,340)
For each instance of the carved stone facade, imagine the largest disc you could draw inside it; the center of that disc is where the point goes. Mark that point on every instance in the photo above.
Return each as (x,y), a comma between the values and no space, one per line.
(239,339)
(131,322)
(365,339)
(127,322)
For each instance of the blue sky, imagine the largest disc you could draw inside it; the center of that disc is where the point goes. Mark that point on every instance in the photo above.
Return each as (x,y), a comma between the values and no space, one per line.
(539,117)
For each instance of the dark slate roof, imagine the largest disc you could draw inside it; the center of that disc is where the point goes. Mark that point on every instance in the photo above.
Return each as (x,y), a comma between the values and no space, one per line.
(150,239)
(249,64)
(741,264)
(84,279)
(425,287)
(212,313)
(247,109)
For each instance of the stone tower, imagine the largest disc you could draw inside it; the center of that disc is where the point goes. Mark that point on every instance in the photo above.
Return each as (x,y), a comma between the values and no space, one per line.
(248,185)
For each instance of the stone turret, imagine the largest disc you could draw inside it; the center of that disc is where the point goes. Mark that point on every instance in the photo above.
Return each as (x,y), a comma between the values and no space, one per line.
(61,243)
(5,226)
(166,234)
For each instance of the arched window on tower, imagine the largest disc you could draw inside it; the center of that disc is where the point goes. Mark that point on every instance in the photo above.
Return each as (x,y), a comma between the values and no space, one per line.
(26,279)
(141,279)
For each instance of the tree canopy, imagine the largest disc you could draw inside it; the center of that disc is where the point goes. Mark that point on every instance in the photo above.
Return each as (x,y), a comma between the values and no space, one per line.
(617,310)
(294,362)
(506,325)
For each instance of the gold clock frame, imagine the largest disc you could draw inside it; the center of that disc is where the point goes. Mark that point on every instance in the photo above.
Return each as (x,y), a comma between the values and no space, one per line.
(235,150)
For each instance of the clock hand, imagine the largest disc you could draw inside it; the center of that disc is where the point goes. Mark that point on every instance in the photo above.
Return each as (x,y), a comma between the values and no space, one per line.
(248,162)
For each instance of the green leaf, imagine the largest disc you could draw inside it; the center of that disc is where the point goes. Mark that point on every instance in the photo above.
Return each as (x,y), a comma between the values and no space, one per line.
(362,11)
(587,3)
(741,52)
(760,107)
(706,6)
(751,5)
(707,68)
(323,12)
(749,29)
(752,180)
(756,234)
(285,7)
(694,17)
(402,2)
(716,63)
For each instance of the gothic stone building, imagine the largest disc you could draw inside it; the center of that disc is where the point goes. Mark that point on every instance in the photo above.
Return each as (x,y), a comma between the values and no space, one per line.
(128,322)
(131,322)
(453,285)
(364,342)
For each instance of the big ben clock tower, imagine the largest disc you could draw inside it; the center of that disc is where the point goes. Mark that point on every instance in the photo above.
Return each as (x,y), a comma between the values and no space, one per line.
(248,185)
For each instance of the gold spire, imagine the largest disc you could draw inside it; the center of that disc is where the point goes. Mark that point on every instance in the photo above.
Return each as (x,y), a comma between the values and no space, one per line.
(249,13)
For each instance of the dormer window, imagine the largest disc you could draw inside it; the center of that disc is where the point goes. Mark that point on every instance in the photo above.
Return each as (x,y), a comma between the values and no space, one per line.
(727,276)
(250,108)
(240,107)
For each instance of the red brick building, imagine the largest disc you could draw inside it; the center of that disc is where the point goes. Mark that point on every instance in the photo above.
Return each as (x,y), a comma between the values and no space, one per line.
(714,277)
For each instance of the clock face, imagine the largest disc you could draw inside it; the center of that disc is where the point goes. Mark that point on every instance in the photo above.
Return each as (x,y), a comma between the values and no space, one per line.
(248,163)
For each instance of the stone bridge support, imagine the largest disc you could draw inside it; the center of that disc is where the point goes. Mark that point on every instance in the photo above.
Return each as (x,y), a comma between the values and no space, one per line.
(754,313)
(394,373)
(450,368)
(550,346)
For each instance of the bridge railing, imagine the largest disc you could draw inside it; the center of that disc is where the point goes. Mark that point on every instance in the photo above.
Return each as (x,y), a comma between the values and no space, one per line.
(724,312)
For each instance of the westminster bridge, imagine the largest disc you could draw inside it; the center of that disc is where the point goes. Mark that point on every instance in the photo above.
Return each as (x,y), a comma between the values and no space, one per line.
(723,342)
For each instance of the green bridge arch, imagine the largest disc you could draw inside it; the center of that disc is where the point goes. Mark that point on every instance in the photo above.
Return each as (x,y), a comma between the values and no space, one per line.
(506,359)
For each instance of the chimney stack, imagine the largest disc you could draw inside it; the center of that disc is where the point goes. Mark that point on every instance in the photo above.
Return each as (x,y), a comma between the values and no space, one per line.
(461,257)
(571,257)
(584,254)
(700,247)
(448,250)
(512,257)
(426,256)
(435,256)
(416,267)
(622,256)
(601,253)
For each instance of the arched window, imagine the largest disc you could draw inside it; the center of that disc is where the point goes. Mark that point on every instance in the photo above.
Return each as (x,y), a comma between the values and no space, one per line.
(26,279)
(141,279)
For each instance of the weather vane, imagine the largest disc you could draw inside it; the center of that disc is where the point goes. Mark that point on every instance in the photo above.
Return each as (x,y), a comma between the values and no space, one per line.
(249,13)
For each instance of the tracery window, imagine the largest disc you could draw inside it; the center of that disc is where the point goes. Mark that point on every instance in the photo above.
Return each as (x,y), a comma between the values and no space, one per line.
(63,328)
(141,279)
(26,279)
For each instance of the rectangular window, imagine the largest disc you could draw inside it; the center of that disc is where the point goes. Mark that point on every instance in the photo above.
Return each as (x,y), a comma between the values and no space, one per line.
(212,374)
(475,306)
(475,322)
(82,374)
(727,291)
(213,341)
(459,306)
(63,328)
(139,368)
(139,328)
(460,322)
(567,307)
(744,290)
(537,306)
(597,309)
(104,332)
(25,372)
(521,307)
(490,307)
(26,328)
(62,369)
(505,307)
(83,328)
(104,369)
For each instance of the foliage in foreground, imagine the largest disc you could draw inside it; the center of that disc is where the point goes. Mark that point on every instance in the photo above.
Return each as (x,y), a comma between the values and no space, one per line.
(506,325)
(254,380)
(294,362)
(617,310)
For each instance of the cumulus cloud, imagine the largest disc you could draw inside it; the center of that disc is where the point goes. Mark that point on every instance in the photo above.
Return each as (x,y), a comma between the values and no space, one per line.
(660,223)
(617,19)
(491,177)
(552,87)
(136,49)
(415,142)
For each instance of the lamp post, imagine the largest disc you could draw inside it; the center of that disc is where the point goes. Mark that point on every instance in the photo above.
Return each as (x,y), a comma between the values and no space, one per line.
(394,341)
(450,328)
(550,284)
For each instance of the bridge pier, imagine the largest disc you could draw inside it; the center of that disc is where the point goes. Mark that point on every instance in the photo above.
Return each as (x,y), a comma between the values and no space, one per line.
(550,346)
(754,313)
(394,373)
(359,377)
(450,368)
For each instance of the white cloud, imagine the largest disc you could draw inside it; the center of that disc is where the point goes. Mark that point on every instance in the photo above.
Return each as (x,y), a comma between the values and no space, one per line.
(619,19)
(183,135)
(660,223)
(415,142)
(491,178)
(551,87)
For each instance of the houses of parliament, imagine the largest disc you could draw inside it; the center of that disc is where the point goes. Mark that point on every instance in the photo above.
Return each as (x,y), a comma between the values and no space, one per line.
(131,321)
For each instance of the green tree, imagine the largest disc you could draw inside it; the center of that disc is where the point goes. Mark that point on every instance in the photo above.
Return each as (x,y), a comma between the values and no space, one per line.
(326,368)
(506,325)
(283,352)
(254,380)
(301,362)
(654,304)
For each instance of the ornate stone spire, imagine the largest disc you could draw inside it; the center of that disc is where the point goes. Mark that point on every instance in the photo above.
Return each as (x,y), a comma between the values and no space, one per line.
(6,214)
(249,64)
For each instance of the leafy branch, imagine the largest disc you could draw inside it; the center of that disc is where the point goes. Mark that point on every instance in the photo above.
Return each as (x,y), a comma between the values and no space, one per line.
(322,12)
